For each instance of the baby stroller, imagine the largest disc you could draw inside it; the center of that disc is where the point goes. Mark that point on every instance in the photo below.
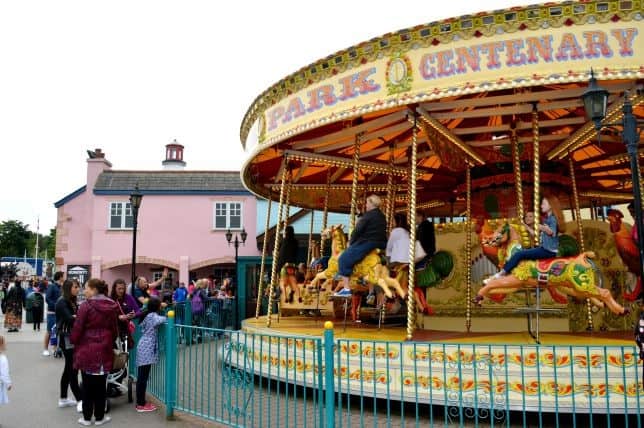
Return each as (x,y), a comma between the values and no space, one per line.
(119,380)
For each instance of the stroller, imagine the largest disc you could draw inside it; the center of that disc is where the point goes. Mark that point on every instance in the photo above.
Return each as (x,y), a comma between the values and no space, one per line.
(119,380)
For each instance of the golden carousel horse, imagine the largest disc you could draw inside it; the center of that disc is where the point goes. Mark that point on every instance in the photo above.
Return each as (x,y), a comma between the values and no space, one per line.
(369,270)
(575,276)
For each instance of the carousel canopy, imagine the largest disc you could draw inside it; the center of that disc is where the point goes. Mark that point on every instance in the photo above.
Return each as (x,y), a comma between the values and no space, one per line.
(479,91)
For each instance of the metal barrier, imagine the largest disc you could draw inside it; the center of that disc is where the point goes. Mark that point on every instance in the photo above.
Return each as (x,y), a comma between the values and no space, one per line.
(255,380)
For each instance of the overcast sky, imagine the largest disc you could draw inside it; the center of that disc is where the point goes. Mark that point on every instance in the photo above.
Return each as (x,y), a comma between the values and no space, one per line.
(130,76)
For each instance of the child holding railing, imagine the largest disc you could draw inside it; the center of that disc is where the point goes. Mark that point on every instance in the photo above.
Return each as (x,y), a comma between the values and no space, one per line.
(147,351)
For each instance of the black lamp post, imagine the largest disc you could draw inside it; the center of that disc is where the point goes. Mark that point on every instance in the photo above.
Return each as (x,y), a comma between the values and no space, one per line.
(595,100)
(236,242)
(135,203)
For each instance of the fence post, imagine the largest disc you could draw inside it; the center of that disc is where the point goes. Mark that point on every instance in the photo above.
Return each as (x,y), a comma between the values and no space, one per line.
(187,307)
(170,366)
(329,384)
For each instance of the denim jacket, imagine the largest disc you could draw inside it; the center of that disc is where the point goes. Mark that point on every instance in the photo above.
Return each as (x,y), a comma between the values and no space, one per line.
(550,243)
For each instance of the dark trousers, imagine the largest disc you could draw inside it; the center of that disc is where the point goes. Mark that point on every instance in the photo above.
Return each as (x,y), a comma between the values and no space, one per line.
(142,383)
(352,255)
(70,376)
(94,396)
(529,254)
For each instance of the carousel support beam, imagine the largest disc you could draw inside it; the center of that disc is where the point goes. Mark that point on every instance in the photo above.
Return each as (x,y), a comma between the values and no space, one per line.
(468,249)
(325,213)
(391,202)
(354,183)
(309,251)
(536,171)
(342,162)
(271,293)
(580,232)
(411,302)
(449,135)
(518,184)
(263,263)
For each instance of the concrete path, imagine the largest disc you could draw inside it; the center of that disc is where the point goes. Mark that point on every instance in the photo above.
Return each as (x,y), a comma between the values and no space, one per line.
(34,397)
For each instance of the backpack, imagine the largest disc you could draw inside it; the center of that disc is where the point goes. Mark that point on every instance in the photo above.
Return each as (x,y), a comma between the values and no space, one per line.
(38,301)
(197,303)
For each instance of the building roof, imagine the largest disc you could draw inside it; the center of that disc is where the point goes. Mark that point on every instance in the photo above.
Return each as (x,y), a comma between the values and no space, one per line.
(170,182)
(69,197)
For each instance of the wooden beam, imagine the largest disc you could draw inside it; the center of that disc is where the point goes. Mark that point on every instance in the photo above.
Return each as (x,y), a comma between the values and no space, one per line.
(520,126)
(350,132)
(508,110)
(400,127)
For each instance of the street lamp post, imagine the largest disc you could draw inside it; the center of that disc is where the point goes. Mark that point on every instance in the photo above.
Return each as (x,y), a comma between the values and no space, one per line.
(236,242)
(135,203)
(595,100)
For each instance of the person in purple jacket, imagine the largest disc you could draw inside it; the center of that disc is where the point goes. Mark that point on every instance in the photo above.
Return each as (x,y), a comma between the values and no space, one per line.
(129,308)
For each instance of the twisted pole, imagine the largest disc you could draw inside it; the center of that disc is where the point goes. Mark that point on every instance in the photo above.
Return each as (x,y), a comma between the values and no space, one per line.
(468,248)
(263,264)
(411,302)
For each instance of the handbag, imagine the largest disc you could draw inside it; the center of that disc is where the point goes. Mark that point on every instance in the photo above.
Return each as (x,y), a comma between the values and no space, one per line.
(120,359)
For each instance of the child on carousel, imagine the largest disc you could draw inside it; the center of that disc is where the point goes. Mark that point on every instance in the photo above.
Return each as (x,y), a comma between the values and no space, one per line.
(549,240)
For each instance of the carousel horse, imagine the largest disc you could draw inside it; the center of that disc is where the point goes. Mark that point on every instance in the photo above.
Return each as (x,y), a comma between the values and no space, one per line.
(369,270)
(575,276)
(627,249)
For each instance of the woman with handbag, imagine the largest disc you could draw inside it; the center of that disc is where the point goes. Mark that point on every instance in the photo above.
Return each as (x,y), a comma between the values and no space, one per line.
(128,310)
(66,309)
(93,336)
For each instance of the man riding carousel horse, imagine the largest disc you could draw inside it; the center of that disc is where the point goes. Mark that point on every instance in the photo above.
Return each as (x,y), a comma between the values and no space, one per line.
(369,234)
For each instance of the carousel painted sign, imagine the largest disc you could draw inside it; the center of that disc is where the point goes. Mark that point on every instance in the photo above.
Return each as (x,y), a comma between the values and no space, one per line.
(462,64)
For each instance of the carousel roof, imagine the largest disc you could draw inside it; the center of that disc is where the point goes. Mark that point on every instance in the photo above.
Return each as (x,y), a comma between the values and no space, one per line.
(510,83)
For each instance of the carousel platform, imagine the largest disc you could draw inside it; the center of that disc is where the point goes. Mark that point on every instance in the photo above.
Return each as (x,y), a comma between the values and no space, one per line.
(505,371)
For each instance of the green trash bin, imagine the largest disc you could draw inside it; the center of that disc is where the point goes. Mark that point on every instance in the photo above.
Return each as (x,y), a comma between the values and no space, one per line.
(29,304)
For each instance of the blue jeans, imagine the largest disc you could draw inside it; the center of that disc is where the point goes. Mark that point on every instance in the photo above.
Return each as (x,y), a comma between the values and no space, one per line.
(352,255)
(529,254)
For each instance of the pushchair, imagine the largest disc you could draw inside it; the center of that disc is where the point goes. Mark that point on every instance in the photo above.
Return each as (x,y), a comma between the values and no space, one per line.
(120,380)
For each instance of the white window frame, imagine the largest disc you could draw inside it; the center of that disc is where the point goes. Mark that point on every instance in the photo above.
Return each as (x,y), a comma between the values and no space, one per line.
(123,205)
(228,204)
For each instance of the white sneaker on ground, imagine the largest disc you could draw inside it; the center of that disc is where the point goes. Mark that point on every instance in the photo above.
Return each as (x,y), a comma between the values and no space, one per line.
(103,421)
(79,406)
(45,353)
(66,402)
(84,423)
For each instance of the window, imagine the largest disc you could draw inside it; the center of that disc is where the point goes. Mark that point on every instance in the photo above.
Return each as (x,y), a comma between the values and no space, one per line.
(228,215)
(121,215)
(169,281)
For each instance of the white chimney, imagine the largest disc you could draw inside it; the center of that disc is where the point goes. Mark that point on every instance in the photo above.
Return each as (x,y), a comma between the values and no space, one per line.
(173,157)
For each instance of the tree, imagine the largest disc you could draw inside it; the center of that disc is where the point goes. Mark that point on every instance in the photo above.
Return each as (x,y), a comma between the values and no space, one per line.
(14,237)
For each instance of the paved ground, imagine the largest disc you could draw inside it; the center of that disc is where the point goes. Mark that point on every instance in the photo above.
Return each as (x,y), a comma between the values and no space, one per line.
(34,397)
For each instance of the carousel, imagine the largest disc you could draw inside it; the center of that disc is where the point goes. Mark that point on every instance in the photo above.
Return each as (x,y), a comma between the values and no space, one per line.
(473,121)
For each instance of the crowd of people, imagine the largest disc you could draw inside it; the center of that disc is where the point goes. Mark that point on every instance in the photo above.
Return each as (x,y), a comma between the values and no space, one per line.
(87,333)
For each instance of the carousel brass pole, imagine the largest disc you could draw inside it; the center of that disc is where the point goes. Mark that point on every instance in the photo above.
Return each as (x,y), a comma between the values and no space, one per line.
(391,202)
(263,265)
(325,214)
(309,252)
(518,182)
(536,166)
(580,232)
(354,183)
(411,307)
(284,221)
(468,248)
(271,292)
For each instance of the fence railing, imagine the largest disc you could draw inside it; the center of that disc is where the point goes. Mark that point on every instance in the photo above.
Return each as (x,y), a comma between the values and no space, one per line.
(256,380)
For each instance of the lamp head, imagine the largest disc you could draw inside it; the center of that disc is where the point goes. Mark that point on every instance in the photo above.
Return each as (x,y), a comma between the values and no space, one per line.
(595,100)
(135,198)
(229,236)
(243,235)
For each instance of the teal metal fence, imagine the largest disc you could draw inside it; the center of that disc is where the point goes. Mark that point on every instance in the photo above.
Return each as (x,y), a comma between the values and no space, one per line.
(254,380)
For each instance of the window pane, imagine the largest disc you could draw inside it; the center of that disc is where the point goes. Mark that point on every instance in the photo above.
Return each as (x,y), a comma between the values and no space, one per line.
(115,222)
(115,215)
(235,215)
(220,222)
(220,215)
(129,221)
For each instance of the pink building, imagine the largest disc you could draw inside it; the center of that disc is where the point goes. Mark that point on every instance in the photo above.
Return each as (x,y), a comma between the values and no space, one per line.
(182,221)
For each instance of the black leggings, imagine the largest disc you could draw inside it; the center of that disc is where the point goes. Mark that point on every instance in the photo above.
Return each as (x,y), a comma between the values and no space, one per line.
(70,376)
(94,396)
(142,383)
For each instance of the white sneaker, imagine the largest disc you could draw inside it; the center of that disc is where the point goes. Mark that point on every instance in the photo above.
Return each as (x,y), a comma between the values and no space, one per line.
(84,423)
(45,353)
(79,406)
(103,421)
(66,402)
